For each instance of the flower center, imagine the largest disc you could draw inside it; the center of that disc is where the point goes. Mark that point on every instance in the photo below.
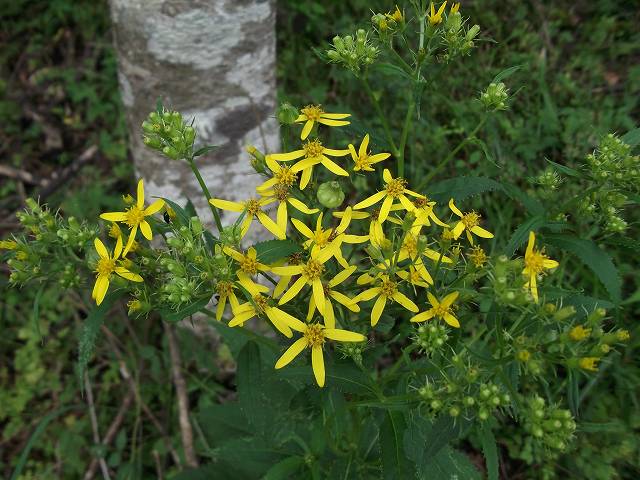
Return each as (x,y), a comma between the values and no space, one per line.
(363,161)
(388,288)
(249,265)
(295,258)
(477,256)
(421,202)
(105,267)
(313,148)
(114,231)
(313,269)
(286,177)
(314,335)
(261,302)
(252,206)
(281,192)
(411,246)
(224,288)
(321,238)
(471,219)
(134,216)
(441,310)
(313,112)
(535,261)
(396,187)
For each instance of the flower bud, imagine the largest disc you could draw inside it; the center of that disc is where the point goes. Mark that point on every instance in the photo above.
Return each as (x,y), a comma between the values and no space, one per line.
(330,194)
(287,113)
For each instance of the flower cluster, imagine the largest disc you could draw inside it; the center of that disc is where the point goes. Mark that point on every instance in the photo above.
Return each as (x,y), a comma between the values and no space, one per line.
(353,53)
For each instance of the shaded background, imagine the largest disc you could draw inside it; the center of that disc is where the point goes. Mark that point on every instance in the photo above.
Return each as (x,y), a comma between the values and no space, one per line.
(59,100)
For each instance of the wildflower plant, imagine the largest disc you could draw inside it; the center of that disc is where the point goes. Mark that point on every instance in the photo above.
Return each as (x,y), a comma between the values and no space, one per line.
(423,325)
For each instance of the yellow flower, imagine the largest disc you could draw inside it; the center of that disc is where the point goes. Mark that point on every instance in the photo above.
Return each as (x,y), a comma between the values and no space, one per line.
(363,159)
(282,194)
(523,355)
(436,18)
(454,8)
(623,335)
(260,305)
(321,238)
(589,363)
(439,309)
(314,337)
(395,188)
(535,262)
(310,274)
(376,234)
(114,231)
(396,15)
(386,289)
(282,175)
(8,244)
(579,333)
(134,217)
(252,208)
(410,249)
(248,268)
(469,222)
(478,256)
(314,113)
(224,288)
(329,293)
(414,277)
(314,153)
(108,265)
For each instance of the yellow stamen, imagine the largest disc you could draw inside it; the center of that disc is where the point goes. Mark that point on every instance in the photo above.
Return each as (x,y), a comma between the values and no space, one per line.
(314,335)
(135,216)
(313,149)
(396,187)
(105,267)
(313,269)
(388,288)
(312,112)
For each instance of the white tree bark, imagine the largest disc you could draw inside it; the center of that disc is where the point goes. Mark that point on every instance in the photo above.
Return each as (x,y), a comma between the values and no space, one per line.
(209,59)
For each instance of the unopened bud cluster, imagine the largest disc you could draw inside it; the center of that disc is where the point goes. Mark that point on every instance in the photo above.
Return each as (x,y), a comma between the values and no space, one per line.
(549,426)
(495,97)
(613,163)
(168,133)
(462,391)
(431,338)
(509,283)
(458,41)
(353,52)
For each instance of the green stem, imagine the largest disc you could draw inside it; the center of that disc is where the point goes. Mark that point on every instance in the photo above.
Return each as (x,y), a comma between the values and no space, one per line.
(381,116)
(452,154)
(205,190)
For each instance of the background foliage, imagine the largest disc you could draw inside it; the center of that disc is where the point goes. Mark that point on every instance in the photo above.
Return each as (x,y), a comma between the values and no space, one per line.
(578,78)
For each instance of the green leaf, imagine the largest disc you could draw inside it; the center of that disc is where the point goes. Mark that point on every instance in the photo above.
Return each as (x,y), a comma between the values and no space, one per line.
(271,251)
(594,258)
(341,375)
(220,423)
(571,172)
(395,464)
(490,451)
(632,137)
(391,69)
(181,215)
(204,150)
(507,72)
(171,316)
(285,469)
(521,234)
(35,316)
(249,378)
(451,464)
(532,205)
(90,331)
(460,188)
(573,393)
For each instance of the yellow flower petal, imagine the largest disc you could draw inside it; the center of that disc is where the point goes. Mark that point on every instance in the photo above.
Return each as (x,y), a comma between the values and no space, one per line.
(457,230)
(421,317)
(333,123)
(335,116)
(270,225)
(306,130)
(343,335)
(227,205)
(384,209)
(302,228)
(403,300)
(285,157)
(367,202)
(145,228)
(342,276)
(140,199)
(242,317)
(100,248)
(155,207)
(124,273)
(288,270)
(305,177)
(301,207)
(451,320)
(455,209)
(333,167)
(386,175)
(102,285)
(292,352)
(318,295)
(481,232)
(132,237)
(377,310)
(293,290)
(317,362)
(329,315)
(114,216)
(449,299)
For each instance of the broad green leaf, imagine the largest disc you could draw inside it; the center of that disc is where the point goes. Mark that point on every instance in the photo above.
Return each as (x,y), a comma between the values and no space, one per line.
(220,423)
(204,150)
(632,137)
(532,205)
(571,172)
(249,379)
(391,69)
(593,257)
(451,464)
(490,451)
(395,464)
(271,251)
(460,188)
(181,215)
(285,469)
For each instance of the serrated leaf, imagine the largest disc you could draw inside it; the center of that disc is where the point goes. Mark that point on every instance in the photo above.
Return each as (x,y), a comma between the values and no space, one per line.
(271,251)
(532,205)
(594,258)
(521,234)
(460,188)
(507,72)
(451,464)
(490,451)
(249,379)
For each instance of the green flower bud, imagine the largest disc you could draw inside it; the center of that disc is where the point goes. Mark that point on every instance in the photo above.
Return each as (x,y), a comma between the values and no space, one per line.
(287,113)
(330,194)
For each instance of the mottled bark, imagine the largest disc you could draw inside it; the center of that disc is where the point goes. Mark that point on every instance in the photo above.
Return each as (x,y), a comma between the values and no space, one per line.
(209,59)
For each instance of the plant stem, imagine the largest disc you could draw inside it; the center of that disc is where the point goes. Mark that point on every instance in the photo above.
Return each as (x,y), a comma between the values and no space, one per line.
(403,139)
(207,194)
(452,154)
(381,116)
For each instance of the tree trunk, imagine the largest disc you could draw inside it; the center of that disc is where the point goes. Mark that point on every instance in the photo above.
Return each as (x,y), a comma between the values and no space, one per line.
(209,59)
